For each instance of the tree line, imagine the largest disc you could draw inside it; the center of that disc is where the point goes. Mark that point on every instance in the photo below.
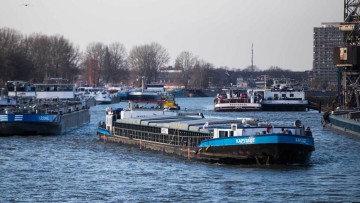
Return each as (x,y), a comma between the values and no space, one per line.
(37,57)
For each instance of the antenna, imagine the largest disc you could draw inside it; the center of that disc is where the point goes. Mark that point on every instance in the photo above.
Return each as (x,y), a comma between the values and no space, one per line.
(252,56)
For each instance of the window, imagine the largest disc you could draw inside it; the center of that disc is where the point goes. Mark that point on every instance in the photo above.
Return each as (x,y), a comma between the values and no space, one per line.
(223,133)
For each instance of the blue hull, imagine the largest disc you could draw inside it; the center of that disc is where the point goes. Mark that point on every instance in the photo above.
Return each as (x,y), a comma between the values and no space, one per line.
(263,139)
(42,124)
(29,124)
(264,149)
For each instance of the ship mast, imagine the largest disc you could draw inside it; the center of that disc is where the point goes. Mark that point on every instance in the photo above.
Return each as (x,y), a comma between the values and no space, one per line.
(252,56)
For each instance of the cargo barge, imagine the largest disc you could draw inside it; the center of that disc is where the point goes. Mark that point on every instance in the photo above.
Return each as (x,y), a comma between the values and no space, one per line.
(41,109)
(237,141)
(52,120)
(343,120)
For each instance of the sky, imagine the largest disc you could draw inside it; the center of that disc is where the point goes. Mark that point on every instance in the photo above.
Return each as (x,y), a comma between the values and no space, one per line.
(218,31)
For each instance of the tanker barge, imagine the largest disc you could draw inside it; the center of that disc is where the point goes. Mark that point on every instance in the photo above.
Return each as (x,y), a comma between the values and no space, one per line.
(237,141)
(41,109)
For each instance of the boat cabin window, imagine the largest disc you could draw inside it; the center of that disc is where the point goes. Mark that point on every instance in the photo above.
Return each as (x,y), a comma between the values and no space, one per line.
(20,86)
(50,87)
(145,105)
(291,95)
(276,96)
(283,95)
(223,133)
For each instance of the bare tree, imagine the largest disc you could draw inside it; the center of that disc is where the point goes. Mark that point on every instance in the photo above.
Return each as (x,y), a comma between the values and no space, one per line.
(251,69)
(200,75)
(105,63)
(161,57)
(147,59)
(52,56)
(118,62)
(108,70)
(37,47)
(94,57)
(64,61)
(36,57)
(186,61)
(10,41)
(222,76)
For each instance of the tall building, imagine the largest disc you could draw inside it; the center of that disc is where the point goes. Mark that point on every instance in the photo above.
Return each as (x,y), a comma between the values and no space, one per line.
(326,38)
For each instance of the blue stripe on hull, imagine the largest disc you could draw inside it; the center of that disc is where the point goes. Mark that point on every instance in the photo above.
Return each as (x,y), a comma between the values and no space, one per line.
(47,118)
(259,139)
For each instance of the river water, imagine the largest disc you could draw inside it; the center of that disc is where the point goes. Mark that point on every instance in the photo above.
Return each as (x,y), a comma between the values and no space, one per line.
(78,167)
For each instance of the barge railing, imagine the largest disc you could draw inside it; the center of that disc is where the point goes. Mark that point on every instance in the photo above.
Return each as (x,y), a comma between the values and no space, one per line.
(172,139)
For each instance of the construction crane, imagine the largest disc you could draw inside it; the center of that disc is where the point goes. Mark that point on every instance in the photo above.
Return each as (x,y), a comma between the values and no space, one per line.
(347,57)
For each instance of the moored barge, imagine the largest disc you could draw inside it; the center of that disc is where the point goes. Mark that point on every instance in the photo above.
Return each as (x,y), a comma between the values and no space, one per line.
(343,121)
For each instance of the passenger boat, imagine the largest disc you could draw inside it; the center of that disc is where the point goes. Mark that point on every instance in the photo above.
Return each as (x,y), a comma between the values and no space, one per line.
(41,109)
(237,100)
(283,97)
(237,141)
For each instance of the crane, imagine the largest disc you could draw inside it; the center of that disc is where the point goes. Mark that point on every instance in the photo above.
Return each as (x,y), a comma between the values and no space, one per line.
(347,57)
